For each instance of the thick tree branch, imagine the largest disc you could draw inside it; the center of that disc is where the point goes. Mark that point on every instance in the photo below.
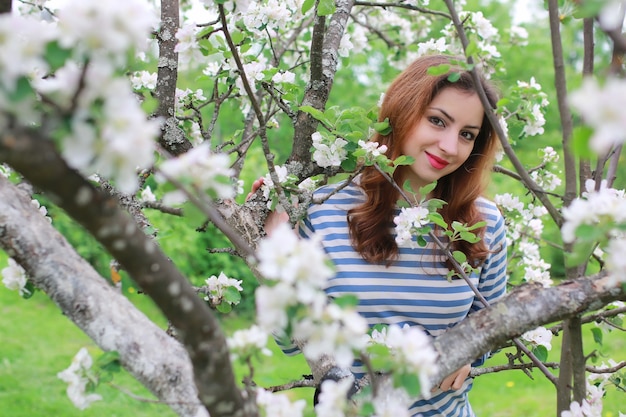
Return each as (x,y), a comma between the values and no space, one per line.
(525,308)
(98,309)
(324,61)
(173,139)
(5,6)
(37,160)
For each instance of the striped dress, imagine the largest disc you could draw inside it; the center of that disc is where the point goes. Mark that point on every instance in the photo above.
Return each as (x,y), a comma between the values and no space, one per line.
(414,289)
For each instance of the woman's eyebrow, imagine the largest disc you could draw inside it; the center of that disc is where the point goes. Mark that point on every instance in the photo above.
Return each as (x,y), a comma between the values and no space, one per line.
(445,113)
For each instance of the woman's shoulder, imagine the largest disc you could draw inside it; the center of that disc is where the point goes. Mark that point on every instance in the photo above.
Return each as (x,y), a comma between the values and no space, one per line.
(343,192)
(490,212)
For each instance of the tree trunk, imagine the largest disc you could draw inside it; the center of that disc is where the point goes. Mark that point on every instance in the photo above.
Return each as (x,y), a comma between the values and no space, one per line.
(157,360)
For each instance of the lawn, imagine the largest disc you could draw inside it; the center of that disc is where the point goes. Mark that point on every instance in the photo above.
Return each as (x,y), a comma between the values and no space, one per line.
(38,342)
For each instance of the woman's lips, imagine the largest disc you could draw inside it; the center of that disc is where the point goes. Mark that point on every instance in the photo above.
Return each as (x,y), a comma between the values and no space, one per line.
(436,162)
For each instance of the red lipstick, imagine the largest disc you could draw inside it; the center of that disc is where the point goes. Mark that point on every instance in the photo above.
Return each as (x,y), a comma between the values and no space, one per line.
(436,162)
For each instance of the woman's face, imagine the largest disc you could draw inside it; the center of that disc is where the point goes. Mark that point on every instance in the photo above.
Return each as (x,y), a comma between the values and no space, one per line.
(443,139)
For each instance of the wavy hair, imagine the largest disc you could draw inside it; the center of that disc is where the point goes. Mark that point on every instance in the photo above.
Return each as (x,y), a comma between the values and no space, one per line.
(404,104)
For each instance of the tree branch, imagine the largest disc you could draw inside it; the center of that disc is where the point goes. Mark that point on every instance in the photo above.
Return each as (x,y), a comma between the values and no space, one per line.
(98,309)
(173,139)
(35,157)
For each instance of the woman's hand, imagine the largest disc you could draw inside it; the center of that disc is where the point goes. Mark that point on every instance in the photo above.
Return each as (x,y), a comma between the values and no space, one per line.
(274,218)
(455,380)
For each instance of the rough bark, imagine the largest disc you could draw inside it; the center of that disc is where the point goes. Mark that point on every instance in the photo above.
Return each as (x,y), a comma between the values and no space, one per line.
(5,6)
(173,138)
(324,60)
(525,308)
(155,359)
(35,157)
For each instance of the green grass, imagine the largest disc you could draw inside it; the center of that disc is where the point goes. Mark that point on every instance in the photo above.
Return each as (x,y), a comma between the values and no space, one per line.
(38,342)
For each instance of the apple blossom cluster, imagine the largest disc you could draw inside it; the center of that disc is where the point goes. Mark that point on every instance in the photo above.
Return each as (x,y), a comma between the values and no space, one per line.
(539,337)
(78,376)
(332,400)
(108,131)
(596,216)
(246,343)
(218,286)
(14,277)
(603,108)
(329,150)
(412,351)
(287,181)
(592,405)
(296,271)
(411,221)
(200,168)
(484,35)
(524,228)
(278,404)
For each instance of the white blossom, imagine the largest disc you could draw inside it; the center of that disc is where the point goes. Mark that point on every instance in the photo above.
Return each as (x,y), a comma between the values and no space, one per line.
(333,398)
(77,378)
(606,204)
(413,351)
(147,195)
(329,151)
(284,77)
(408,222)
(205,170)
(373,149)
(247,341)
(106,30)
(144,79)
(14,277)
(534,126)
(217,286)
(539,337)
(604,109)
(616,261)
(432,45)
(279,404)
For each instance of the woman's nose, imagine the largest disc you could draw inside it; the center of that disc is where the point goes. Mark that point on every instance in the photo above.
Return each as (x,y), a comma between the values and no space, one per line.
(448,143)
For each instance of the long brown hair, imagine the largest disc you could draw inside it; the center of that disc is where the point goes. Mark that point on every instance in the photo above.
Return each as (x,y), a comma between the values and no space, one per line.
(404,105)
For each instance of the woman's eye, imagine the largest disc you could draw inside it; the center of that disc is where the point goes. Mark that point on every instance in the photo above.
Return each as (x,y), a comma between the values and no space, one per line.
(436,121)
(468,136)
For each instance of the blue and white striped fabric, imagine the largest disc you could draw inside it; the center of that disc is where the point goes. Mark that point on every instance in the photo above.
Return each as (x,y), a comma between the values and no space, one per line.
(414,289)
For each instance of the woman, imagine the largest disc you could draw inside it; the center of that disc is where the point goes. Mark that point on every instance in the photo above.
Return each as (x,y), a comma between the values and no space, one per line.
(442,125)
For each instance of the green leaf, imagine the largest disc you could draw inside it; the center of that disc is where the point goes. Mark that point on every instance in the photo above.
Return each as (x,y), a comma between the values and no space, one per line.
(346,300)
(316,114)
(454,77)
(22,90)
(232,295)
(109,361)
(349,164)
(469,237)
(439,69)
(306,5)
(541,352)
(590,232)
(427,189)
(459,256)
(438,220)
(56,56)
(326,7)
(403,160)
(384,128)
(410,382)
(224,308)
(476,225)
(597,335)
(472,48)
